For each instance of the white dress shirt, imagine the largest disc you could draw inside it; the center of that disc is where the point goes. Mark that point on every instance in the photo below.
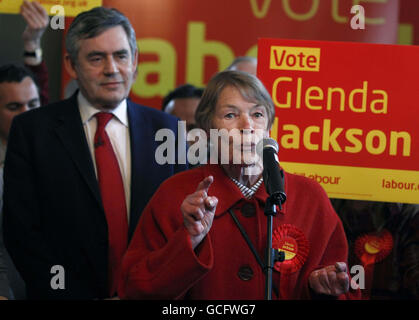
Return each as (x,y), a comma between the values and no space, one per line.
(118,132)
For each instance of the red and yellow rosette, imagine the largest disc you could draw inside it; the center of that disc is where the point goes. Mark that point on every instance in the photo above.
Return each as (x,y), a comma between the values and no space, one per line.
(294,244)
(373,247)
(370,249)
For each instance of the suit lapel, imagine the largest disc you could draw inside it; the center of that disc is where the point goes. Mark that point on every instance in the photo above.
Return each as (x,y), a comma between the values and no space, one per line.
(139,139)
(71,133)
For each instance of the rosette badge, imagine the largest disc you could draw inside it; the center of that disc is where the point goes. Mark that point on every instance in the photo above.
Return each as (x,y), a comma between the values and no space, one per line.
(292,241)
(373,247)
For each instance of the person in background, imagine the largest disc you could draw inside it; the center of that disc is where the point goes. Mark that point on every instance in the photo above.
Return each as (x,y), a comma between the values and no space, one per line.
(79,172)
(21,89)
(32,79)
(182,102)
(36,18)
(189,243)
(18,94)
(383,237)
(245,64)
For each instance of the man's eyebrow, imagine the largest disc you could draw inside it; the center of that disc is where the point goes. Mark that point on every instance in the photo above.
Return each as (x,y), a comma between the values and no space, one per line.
(34,100)
(17,103)
(103,54)
(122,51)
(96,53)
(13,103)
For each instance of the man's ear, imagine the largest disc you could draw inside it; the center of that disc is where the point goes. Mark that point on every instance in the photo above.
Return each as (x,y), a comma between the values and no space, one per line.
(135,59)
(135,65)
(69,66)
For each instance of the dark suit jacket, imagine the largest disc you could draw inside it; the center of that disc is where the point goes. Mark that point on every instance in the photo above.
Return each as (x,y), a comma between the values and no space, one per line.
(53,213)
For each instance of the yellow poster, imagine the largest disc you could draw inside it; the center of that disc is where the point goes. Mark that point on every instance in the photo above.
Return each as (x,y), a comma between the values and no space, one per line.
(370,184)
(346,115)
(67,8)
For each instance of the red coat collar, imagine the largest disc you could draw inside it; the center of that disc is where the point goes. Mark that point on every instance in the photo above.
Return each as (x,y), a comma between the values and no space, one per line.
(228,193)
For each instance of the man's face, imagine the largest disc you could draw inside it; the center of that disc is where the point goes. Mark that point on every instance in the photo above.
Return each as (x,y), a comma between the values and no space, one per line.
(15,98)
(104,68)
(184,109)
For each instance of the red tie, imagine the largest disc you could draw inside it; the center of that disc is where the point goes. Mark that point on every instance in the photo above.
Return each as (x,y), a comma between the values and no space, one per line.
(113,198)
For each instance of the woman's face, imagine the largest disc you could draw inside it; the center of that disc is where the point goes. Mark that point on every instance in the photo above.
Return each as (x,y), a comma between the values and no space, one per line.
(245,124)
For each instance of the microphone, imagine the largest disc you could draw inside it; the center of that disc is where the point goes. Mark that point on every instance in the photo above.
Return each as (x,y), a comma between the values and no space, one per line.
(273,176)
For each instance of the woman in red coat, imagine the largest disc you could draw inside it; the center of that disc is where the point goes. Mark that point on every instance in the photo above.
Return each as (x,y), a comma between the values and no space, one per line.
(187,243)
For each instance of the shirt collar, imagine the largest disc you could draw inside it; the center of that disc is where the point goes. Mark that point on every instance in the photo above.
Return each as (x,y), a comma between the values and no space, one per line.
(248,192)
(228,192)
(87,111)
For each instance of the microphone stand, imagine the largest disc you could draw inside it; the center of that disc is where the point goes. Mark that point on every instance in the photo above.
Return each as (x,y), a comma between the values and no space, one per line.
(272,255)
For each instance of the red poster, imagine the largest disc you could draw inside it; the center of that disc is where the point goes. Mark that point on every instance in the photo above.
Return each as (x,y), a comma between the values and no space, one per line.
(346,115)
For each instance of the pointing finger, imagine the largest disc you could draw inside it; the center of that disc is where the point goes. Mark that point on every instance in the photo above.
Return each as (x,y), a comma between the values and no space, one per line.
(205,184)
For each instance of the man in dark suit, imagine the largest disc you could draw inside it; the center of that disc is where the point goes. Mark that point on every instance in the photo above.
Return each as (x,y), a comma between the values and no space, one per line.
(79,172)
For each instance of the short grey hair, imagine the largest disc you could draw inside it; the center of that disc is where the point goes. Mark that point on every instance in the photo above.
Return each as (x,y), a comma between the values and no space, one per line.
(238,60)
(92,23)
(250,87)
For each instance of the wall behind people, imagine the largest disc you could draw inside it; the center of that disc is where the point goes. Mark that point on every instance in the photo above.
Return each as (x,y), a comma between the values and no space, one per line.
(162,69)
(198,39)
(11,28)
(409,22)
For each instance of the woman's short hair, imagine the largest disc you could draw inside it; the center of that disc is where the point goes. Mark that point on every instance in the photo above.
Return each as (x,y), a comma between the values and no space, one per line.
(250,87)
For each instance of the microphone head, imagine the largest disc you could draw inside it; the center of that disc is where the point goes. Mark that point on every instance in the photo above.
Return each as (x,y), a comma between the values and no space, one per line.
(266,143)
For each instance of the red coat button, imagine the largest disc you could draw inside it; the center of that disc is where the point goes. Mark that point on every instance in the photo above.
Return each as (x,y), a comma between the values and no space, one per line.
(245,273)
(248,210)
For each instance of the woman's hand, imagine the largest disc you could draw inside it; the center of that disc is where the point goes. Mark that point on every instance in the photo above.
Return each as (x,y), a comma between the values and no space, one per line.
(331,280)
(198,211)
